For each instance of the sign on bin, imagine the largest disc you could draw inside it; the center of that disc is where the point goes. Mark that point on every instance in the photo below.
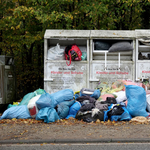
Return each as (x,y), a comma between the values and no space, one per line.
(111,74)
(60,76)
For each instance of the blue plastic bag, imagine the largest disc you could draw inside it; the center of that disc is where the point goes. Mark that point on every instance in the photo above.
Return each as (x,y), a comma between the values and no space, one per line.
(96,93)
(47,114)
(126,115)
(18,112)
(123,117)
(45,100)
(63,108)
(74,109)
(62,95)
(105,112)
(136,97)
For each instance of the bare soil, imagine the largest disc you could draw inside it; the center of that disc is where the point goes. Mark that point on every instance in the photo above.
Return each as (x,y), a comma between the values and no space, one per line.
(30,129)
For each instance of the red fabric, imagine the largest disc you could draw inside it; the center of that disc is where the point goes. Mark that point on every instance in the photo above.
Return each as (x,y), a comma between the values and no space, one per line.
(33,111)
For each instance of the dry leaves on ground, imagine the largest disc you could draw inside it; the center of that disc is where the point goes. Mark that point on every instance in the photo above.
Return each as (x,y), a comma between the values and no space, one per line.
(73,121)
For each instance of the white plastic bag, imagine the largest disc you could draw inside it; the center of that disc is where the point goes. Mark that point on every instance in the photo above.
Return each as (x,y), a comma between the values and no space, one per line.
(55,53)
(148,102)
(121,96)
(32,106)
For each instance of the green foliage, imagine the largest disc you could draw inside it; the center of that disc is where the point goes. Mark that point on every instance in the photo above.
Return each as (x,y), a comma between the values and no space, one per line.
(23,24)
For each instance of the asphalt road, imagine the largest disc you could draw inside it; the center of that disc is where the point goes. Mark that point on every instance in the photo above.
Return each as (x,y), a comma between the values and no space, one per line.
(95,146)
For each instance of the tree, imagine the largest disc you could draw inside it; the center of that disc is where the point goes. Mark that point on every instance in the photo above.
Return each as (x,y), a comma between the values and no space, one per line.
(23,24)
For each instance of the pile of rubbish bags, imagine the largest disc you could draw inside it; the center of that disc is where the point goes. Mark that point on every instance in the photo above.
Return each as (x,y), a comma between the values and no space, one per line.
(122,101)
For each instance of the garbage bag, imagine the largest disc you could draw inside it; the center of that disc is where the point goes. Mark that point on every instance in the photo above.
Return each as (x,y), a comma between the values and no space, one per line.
(39,91)
(55,53)
(117,112)
(84,56)
(90,116)
(101,45)
(74,109)
(62,95)
(148,103)
(125,116)
(90,92)
(87,107)
(51,100)
(18,112)
(26,99)
(12,105)
(121,96)
(33,107)
(45,100)
(85,116)
(28,96)
(136,97)
(63,108)
(47,114)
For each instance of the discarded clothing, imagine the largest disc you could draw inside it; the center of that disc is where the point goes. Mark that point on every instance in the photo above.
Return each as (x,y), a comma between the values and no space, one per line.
(90,116)
(87,107)
(101,106)
(81,99)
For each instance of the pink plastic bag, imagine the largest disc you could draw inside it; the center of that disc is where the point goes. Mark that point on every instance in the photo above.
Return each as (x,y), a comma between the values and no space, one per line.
(129,82)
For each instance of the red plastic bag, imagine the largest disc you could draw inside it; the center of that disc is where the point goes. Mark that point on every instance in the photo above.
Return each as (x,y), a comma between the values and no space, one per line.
(72,52)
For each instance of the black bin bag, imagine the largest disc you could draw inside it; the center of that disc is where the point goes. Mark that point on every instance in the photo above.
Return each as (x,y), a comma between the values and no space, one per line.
(101,45)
